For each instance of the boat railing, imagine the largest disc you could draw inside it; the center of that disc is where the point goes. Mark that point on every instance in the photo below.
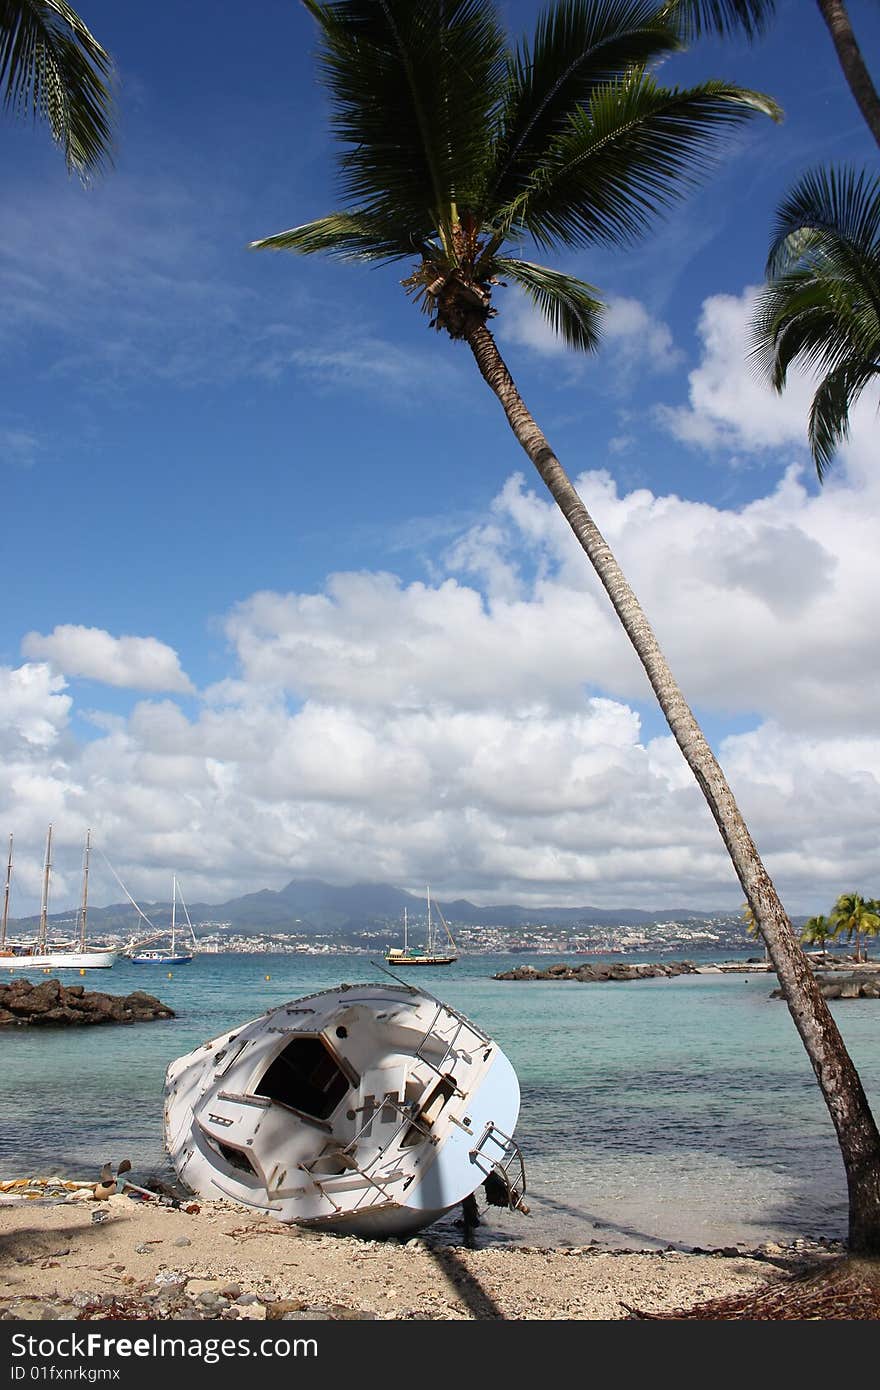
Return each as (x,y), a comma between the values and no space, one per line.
(507,1164)
(463,1025)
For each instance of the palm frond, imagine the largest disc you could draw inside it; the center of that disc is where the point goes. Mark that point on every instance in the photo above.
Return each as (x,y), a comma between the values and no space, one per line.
(629,154)
(413,86)
(821,305)
(695,18)
(579,46)
(801,317)
(52,68)
(826,209)
(570,306)
(830,410)
(354,236)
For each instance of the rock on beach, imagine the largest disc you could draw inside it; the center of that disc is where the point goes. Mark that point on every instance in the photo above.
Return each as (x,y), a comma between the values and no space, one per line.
(854,984)
(592,974)
(24,1004)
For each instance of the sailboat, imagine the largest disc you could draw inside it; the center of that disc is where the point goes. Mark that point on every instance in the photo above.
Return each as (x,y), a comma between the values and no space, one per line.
(55,955)
(414,955)
(164,955)
(367,1109)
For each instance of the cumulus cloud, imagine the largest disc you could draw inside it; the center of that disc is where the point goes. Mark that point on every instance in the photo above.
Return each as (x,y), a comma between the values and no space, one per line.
(730,403)
(630,334)
(33,709)
(481,731)
(135,663)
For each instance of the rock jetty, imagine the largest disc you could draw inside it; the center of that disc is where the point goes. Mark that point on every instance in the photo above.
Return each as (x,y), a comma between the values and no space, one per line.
(593,974)
(50,1003)
(855,984)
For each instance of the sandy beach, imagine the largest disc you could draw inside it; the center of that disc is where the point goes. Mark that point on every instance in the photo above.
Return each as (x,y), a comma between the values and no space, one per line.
(120,1257)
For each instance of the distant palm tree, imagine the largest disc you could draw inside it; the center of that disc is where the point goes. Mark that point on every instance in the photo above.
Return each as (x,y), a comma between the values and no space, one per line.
(455,150)
(821,305)
(52,68)
(752,927)
(752,17)
(873,905)
(856,917)
(817,931)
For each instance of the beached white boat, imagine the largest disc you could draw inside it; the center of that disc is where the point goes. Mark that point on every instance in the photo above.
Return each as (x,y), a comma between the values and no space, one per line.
(369,1109)
(430,954)
(43,954)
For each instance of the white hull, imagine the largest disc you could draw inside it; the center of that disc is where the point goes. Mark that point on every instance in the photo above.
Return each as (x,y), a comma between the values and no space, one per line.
(60,960)
(369,1109)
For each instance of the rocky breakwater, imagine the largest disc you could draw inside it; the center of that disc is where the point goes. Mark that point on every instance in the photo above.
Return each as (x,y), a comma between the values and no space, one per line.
(593,974)
(50,1003)
(851,984)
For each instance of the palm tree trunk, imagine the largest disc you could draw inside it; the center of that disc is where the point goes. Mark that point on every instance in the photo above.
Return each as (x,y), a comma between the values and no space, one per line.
(852,63)
(838,1079)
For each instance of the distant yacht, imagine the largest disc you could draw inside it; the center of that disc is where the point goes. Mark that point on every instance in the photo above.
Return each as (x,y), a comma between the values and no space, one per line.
(414,955)
(159,955)
(43,954)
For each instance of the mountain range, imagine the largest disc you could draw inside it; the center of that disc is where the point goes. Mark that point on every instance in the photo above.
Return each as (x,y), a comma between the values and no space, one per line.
(311,906)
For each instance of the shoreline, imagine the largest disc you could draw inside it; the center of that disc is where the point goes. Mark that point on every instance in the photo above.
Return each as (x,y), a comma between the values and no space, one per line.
(119,1257)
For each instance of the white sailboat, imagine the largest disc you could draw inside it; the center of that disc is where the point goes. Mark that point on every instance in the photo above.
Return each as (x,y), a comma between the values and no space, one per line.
(431,955)
(167,955)
(365,1109)
(43,954)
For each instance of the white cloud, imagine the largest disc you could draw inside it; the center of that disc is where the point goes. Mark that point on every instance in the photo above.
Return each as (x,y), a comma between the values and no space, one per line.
(640,338)
(478,731)
(136,663)
(631,335)
(33,710)
(730,403)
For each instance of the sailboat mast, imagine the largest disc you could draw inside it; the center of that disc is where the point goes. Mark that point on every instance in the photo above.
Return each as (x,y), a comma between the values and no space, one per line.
(6,899)
(430,928)
(405,944)
(173,912)
(44,904)
(85,894)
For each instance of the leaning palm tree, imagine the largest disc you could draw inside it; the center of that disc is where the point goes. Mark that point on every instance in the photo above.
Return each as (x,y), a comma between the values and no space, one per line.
(817,931)
(855,916)
(821,304)
(455,149)
(52,68)
(753,17)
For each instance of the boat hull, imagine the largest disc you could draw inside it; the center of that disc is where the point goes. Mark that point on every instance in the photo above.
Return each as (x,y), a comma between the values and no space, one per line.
(420,960)
(60,960)
(160,960)
(368,1109)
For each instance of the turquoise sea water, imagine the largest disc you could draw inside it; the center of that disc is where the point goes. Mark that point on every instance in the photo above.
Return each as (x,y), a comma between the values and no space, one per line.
(655,1112)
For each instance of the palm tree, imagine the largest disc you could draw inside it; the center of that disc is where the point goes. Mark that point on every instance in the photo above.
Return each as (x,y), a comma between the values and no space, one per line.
(856,916)
(54,69)
(821,305)
(454,147)
(871,928)
(817,931)
(752,17)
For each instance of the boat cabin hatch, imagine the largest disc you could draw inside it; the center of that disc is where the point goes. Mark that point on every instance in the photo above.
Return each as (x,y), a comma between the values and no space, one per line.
(306,1077)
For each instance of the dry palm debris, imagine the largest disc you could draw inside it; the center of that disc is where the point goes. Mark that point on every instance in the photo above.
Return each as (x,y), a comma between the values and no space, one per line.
(843,1290)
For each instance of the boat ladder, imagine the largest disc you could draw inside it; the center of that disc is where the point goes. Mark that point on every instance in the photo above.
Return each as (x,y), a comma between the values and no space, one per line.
(464,1025)
(499,1156)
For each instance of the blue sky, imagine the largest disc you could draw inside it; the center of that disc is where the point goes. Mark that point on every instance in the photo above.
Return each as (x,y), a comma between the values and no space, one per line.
(279,604)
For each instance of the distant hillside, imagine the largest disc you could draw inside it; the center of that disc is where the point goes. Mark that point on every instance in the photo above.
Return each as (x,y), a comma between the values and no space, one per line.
(309,905)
